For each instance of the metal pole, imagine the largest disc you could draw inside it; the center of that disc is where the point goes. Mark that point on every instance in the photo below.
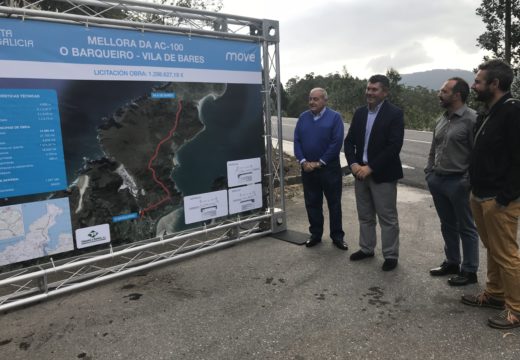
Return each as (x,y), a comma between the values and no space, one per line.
(79,286)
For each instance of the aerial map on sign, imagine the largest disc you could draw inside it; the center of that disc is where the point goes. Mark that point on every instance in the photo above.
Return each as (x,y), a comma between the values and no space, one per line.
(156,149)
(34,230)
(133,150)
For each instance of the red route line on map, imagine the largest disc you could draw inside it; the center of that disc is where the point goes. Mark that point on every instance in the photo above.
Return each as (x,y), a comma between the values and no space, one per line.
(156,153)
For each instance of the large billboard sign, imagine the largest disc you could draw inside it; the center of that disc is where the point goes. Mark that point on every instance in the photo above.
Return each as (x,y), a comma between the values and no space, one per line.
(112,135)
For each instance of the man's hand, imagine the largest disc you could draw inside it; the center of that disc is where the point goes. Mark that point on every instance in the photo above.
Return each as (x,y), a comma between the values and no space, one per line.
(355,168)
(309,166)
(361,172)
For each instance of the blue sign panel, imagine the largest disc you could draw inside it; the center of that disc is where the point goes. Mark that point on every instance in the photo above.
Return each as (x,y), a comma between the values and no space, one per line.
(31,150)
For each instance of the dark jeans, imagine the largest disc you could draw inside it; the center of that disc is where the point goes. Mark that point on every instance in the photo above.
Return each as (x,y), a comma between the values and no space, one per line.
(325,181)
(451,198)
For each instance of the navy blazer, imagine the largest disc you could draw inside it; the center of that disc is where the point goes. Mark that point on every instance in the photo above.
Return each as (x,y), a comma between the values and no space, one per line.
(384,144)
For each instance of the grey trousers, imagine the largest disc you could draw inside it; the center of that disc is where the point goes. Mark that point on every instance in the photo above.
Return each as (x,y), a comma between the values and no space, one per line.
(378,199)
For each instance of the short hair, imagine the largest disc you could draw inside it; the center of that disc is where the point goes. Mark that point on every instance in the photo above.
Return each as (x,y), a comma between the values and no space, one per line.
(461,87)
(500,70)
(323,92)
(382,79)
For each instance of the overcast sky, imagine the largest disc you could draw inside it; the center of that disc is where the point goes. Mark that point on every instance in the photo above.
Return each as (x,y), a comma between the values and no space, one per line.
(369,37)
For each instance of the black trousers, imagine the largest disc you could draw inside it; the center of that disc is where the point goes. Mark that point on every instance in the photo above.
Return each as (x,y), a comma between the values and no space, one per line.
(324,181)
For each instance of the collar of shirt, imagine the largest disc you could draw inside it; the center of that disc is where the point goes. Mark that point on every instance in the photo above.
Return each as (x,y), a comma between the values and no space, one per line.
(371,117)
(376,109)
(318,116)
(459,112)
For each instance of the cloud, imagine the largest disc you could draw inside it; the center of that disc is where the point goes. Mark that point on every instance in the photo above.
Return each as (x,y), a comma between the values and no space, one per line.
(408,56)
(322,37)
(357,29)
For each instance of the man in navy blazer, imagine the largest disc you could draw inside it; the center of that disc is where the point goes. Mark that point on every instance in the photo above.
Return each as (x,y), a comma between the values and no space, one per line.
(372,148)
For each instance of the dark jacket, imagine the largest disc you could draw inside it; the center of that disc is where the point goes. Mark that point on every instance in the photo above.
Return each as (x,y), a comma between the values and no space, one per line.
(495,163)
(384,144)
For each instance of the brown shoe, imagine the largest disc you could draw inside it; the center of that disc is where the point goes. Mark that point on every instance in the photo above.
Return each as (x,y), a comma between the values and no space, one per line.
(506,320)
(483,300)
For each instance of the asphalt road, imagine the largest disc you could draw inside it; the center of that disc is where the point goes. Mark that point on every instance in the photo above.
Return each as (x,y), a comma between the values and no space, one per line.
(413,154)
(267,299)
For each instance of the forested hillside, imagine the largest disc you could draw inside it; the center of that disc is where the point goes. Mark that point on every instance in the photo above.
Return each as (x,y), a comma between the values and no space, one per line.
(420,104)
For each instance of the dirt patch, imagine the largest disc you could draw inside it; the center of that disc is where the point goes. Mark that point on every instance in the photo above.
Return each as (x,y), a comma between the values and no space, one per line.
(291,167)
(292,172)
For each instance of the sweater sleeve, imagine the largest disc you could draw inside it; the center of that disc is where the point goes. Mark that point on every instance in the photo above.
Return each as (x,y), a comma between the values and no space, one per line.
(336,141)
(349,146)
(298,151)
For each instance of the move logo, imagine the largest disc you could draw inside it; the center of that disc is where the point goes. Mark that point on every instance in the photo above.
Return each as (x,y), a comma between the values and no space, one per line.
(93,235)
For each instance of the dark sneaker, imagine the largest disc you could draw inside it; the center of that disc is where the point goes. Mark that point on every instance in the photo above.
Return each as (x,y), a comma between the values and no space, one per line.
(389,264)
(360,255)
(483,300)
(506,320)
(445,269)
(464,278)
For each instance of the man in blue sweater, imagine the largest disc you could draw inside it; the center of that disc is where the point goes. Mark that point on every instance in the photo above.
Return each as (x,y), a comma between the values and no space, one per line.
(318,137)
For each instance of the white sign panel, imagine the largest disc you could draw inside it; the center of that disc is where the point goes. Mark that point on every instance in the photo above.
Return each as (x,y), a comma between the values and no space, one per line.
(245,198)
(205,206)
(93,235)
(244,172)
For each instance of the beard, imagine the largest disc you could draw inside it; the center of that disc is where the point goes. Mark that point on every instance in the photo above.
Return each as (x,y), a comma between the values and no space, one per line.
(445,103)
(484,95)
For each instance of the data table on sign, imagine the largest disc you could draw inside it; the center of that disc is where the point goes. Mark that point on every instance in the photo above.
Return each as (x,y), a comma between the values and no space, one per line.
(31,149)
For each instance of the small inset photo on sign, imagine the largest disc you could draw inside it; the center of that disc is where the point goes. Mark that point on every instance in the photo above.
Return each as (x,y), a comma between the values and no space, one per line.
(205,206)
(244,172)
(245,198)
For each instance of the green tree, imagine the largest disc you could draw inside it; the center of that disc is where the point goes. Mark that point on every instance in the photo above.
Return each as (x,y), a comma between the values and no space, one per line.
(177,19)
(420,106)
(298,92)
(71,8)
(346,93)
(396,88)
(62,6)
(502,35)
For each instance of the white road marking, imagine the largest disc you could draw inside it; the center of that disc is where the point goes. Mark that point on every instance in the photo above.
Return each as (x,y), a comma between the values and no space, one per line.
(418,141)
(288,148)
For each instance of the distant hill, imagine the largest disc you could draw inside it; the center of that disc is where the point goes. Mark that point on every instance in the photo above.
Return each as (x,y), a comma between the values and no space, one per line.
(433,79)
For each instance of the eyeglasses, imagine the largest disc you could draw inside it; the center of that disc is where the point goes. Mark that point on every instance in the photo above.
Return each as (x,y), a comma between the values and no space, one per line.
(314,98)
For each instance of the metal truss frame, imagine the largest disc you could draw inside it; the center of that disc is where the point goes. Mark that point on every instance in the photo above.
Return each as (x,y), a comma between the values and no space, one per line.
(31,284)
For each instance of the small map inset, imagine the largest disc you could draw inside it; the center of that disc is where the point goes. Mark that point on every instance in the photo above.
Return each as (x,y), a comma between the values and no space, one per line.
(33,230)
(11,222)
